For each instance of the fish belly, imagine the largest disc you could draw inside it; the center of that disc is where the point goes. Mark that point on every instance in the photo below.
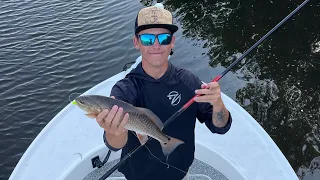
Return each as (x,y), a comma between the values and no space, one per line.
(145,127)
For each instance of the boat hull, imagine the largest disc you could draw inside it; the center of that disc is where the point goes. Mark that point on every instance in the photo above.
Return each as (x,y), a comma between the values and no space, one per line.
(65,147)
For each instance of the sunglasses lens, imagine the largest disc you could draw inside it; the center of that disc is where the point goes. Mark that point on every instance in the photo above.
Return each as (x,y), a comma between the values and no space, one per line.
(147,39)
(164,39)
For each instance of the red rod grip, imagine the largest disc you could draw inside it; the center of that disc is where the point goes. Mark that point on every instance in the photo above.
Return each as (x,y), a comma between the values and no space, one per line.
(192,99)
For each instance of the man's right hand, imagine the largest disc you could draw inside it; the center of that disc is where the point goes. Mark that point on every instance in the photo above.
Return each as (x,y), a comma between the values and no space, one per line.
(112,122)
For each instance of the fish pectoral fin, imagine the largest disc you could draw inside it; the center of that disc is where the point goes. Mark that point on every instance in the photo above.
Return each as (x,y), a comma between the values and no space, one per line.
(152,116)
(142,138)
(92,115)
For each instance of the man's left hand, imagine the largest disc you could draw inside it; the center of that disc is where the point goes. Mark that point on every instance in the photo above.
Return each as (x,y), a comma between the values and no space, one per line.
(211,93)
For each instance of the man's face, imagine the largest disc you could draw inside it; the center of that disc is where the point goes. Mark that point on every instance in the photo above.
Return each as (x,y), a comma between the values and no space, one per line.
(155,54)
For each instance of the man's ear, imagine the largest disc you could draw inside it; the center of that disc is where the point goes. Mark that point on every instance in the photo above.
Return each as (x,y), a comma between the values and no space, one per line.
(135,42)
(173,41)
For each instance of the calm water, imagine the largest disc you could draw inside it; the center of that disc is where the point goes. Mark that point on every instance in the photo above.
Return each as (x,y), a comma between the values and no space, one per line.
(50,49)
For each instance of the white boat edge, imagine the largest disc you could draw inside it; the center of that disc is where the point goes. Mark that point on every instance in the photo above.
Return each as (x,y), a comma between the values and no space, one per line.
(245,152)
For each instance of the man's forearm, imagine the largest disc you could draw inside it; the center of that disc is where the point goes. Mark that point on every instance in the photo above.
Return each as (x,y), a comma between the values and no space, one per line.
(117,141)
(220,115)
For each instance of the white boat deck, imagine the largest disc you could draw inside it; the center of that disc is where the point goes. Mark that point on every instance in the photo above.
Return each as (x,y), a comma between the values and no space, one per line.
(198,171)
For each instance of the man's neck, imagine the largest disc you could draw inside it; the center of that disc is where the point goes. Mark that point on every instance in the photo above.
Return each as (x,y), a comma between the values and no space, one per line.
(155,72)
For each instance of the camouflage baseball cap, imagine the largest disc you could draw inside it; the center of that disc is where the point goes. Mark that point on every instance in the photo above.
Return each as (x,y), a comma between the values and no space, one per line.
(154,17)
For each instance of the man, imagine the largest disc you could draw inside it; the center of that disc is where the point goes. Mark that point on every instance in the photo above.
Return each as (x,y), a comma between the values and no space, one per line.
(158,85)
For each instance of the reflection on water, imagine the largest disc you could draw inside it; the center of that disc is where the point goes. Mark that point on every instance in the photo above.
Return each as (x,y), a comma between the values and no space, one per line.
(282,74)
(315,47)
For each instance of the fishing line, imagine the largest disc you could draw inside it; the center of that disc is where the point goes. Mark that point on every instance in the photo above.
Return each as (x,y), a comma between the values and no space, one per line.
(166,163)
(176,114)
(143,145)
(155,155)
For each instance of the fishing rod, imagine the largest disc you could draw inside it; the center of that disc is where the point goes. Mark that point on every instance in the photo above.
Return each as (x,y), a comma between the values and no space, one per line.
(217,78)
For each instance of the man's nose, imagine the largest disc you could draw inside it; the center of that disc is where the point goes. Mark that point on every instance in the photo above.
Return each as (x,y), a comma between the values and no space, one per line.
(156,43)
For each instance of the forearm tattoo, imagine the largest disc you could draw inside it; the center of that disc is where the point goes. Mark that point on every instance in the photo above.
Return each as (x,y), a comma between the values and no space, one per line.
(220,118)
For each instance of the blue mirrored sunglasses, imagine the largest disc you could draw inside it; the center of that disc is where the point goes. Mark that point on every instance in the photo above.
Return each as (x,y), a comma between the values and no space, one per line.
(149,39)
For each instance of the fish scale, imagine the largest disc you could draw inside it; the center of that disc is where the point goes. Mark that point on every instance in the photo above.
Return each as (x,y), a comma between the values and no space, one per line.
(139,123)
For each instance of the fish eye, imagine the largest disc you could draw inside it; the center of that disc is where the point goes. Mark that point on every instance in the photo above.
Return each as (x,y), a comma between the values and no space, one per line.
(81,102)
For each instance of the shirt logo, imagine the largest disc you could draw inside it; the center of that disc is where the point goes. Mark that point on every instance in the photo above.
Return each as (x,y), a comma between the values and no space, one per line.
(175,97)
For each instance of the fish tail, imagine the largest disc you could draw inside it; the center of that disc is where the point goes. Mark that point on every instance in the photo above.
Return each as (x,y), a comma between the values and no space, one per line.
(169,146)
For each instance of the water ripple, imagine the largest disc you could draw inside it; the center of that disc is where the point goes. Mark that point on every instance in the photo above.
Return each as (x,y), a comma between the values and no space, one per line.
(50,49)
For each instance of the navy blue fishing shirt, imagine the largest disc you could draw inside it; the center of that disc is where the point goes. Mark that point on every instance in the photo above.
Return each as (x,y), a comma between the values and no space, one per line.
(164,97)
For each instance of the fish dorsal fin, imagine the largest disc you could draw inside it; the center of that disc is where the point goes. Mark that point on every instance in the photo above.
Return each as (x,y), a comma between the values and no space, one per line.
(152,116)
